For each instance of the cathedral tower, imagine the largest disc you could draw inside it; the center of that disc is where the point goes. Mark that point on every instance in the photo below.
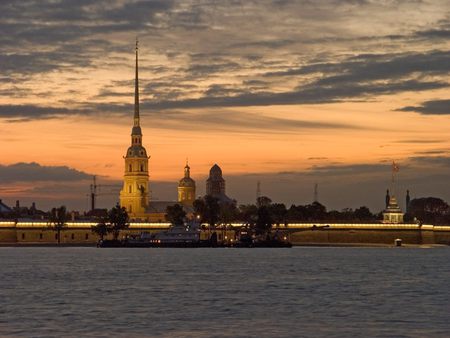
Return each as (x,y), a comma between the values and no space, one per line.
(134,194)
(215,184)
(186,188)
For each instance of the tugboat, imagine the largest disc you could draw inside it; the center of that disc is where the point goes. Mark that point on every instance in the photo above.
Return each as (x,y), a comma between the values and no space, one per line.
(248,239)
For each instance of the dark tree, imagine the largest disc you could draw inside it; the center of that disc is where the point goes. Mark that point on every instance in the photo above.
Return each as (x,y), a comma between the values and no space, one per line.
(264,221)
(316,212)
(102,228)
(248,214)
(118,220)
(297,213)
(175,214)
(430,210)
(263,201)
(208,209)
(199,209)
(363,214)
(278,213)
(58,219)
(228,213)
(212,210)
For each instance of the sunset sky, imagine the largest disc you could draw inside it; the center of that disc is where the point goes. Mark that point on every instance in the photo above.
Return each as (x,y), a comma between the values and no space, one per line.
(288,93)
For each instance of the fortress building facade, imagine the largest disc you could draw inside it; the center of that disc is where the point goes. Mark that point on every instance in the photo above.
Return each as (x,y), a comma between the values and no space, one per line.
(186,188)
(134,196)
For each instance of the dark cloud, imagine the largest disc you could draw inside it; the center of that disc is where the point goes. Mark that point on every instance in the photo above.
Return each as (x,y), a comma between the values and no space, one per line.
(370,67)
(21,113)
(432,161)
(420,141)
(276,43)
(230,121)
(434,107)
(309,94)
(28,172)
(352,169)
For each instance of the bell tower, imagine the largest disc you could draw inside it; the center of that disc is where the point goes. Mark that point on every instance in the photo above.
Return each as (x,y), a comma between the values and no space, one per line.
(134,195)
(186,188)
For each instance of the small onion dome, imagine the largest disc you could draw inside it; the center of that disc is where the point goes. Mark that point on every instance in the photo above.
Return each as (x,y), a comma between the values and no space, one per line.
(186,182)
(136,151)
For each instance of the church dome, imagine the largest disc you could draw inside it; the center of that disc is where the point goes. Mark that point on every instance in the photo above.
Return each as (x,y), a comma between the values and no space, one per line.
(186,182)
(136,151)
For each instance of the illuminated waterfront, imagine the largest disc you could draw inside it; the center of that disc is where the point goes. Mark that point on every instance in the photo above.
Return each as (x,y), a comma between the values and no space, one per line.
(309,292)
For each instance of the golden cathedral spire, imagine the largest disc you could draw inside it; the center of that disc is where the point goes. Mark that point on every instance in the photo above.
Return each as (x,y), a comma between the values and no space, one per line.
(134,194)
(136,89)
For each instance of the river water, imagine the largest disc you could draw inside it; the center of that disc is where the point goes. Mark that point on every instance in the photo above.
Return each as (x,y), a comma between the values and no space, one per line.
(163,292)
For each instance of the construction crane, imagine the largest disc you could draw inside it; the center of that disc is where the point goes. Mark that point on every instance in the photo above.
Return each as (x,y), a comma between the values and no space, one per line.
(96,187)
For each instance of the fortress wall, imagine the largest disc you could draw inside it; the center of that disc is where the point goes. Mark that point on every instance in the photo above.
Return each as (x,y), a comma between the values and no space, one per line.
(441,237)
(81,234)
(7,235)
(71,235)
(372,236)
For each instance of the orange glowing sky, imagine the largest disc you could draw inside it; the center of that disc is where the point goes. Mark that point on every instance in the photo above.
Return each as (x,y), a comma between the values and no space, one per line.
(286,93)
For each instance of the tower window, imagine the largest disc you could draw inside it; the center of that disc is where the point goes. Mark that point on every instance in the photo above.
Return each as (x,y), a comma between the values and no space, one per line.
(73,236)
(40,236)
(130,168)
(142,167)
(129,188)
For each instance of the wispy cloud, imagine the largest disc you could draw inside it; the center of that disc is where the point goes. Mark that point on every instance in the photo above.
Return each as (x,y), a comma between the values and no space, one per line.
(433,107)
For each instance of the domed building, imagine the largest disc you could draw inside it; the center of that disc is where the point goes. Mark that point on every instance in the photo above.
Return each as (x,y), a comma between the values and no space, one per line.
(186,188)
(215,185)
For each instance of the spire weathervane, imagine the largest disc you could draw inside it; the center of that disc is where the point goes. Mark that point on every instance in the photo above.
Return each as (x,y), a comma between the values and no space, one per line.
(136,89)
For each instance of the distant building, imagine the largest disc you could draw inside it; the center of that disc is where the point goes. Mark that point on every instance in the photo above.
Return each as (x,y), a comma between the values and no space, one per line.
(186,188)
(393,213)
(215,185)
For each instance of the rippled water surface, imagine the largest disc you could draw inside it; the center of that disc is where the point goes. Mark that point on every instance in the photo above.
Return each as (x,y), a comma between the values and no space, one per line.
(298,292)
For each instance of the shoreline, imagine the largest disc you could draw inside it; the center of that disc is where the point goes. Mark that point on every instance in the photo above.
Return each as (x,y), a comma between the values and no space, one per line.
(318,245)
